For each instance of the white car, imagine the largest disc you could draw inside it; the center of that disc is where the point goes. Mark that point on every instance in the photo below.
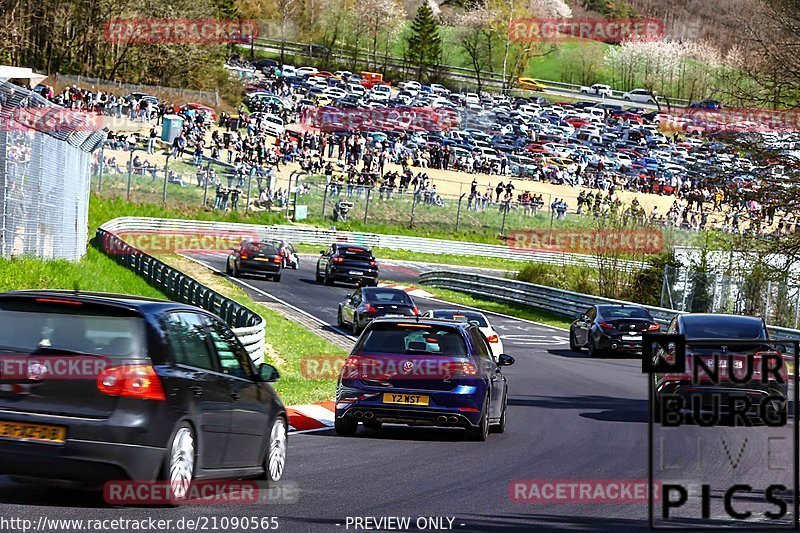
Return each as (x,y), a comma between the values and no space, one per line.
(474,317)
(356,89)
(343,74)
(640,95)
(381,93)
(439,89)
(307,71)
(288,71)
(272,124)
(334,92)
(413,87)
(597,89)
(473,99)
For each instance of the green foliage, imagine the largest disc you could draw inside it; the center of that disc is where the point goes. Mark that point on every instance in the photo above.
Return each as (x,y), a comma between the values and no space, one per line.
(571,278)
(611,8)
(424,42)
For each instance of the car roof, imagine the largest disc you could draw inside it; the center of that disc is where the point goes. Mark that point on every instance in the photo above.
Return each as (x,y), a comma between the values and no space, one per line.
(348,245)
(143,305)
(423,321)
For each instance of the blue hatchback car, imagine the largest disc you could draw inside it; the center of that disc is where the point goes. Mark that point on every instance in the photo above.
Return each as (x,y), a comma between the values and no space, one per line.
(422,372)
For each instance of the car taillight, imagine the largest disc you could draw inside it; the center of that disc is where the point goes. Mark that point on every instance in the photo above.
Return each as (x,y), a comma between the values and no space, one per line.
(132,381)
(653,327)
(606,325)
(493,338)
(371,309)
(242,255)
(462,369)
(276,259)
(414,310)
(338,259)
(373,263)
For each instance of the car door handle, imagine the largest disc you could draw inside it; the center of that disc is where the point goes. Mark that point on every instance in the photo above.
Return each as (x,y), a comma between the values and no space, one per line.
(236,396)
(197,390)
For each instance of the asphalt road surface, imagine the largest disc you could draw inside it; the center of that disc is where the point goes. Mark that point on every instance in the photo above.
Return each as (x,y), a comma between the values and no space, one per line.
(570,419)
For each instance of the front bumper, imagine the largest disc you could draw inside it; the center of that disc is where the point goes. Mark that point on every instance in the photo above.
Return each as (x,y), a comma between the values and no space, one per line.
(713,397)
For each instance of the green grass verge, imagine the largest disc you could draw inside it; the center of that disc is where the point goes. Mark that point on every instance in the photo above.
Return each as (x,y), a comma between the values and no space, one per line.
(519,311)
(288,343)
(95,272)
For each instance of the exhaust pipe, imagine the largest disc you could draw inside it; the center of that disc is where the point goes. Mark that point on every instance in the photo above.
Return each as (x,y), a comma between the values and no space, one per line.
(452,420)
(614,346)
(358,414)
(368,415)
(442,420)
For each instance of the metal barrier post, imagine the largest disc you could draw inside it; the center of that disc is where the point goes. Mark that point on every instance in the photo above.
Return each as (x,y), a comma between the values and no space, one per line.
(366,207)
(247,202)
(205,183)
(505,206)
(130,175)
(325,199)
(413,207)
(166,179)
(102,164)
(458,213)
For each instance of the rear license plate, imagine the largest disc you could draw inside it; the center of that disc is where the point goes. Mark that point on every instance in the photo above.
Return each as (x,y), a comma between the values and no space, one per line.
(262,258)
(354,273)
(33,432)
(405,399)
(631,337)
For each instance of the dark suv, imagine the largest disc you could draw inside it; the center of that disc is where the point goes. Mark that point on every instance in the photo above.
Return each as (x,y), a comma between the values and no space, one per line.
(347,263)
(98,387)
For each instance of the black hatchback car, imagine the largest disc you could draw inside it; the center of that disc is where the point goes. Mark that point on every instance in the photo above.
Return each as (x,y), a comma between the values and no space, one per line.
(347,263)
(611,328)
(369,303)
(255,257)
(99,387)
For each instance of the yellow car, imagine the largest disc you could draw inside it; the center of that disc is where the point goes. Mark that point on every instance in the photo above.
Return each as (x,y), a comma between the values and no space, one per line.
(530,84)
(323,100)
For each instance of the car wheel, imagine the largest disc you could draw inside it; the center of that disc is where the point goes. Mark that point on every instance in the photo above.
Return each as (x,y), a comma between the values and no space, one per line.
(627,99)
(275,461)
(227,268)
(345,426)
(276,278)
(235,271)
(327,280)
(355,327)
(482,431)
(500,427)
(593,351)
(372,424)
(317,276)
(573,346)
(179,463)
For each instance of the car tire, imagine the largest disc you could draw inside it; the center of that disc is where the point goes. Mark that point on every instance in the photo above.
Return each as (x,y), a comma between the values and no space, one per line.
(480,433)
(275,458)
(227,268)
(500,427)
(276,278)
(317,277)
(327,281)
(627,99)
(593,351)
(235,271)
(345,426)
(179,463)
(573,346)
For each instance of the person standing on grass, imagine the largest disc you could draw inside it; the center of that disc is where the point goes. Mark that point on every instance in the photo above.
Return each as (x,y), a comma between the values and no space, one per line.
(151,141)
(499,190)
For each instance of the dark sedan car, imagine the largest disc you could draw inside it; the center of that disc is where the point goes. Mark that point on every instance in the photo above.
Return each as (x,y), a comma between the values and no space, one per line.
(98,387)
(422,372)
(731,340)
(611,328)
(255,257)
(366,304)
(347,263)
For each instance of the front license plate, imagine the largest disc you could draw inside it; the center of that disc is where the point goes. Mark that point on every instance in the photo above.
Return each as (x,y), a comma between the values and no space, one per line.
(631,338)
(405,399)
(33,432)
(355,273)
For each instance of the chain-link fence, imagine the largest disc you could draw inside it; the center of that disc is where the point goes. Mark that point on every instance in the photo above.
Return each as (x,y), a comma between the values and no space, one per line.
(695,290)
(45,156)
(155,90)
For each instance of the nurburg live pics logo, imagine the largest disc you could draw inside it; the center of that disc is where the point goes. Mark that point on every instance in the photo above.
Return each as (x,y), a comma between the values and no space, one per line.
(716,375)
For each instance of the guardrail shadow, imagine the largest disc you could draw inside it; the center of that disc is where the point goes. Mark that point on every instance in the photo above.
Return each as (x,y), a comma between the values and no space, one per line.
(610,409)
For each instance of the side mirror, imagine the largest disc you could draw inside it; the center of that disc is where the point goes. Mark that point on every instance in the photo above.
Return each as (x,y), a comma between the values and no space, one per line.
(505,360)
(782,348)
(268,373)
(322,252)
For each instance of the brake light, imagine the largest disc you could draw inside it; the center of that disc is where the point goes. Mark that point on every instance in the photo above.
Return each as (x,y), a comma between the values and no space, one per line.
(493,338)
(276,259)
(462,368)
(606,325)
(415,310)
(338,259)
(373,263)
(653,327)
(132,381)
(242,255)
(57,301)
(371,309)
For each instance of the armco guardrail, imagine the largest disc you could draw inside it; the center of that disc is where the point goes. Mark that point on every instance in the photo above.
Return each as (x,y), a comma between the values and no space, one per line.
(248,326)
(313,235)
(559,301)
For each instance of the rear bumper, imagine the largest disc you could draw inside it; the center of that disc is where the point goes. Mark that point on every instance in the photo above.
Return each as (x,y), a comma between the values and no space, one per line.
(259,267)
(618,344)
(363,276)
(88,462)
(712,397)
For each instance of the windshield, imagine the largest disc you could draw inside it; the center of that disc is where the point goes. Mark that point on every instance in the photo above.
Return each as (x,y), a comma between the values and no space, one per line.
(463,316)
(412,338)
(379,296)
(624,312)
(723,327)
